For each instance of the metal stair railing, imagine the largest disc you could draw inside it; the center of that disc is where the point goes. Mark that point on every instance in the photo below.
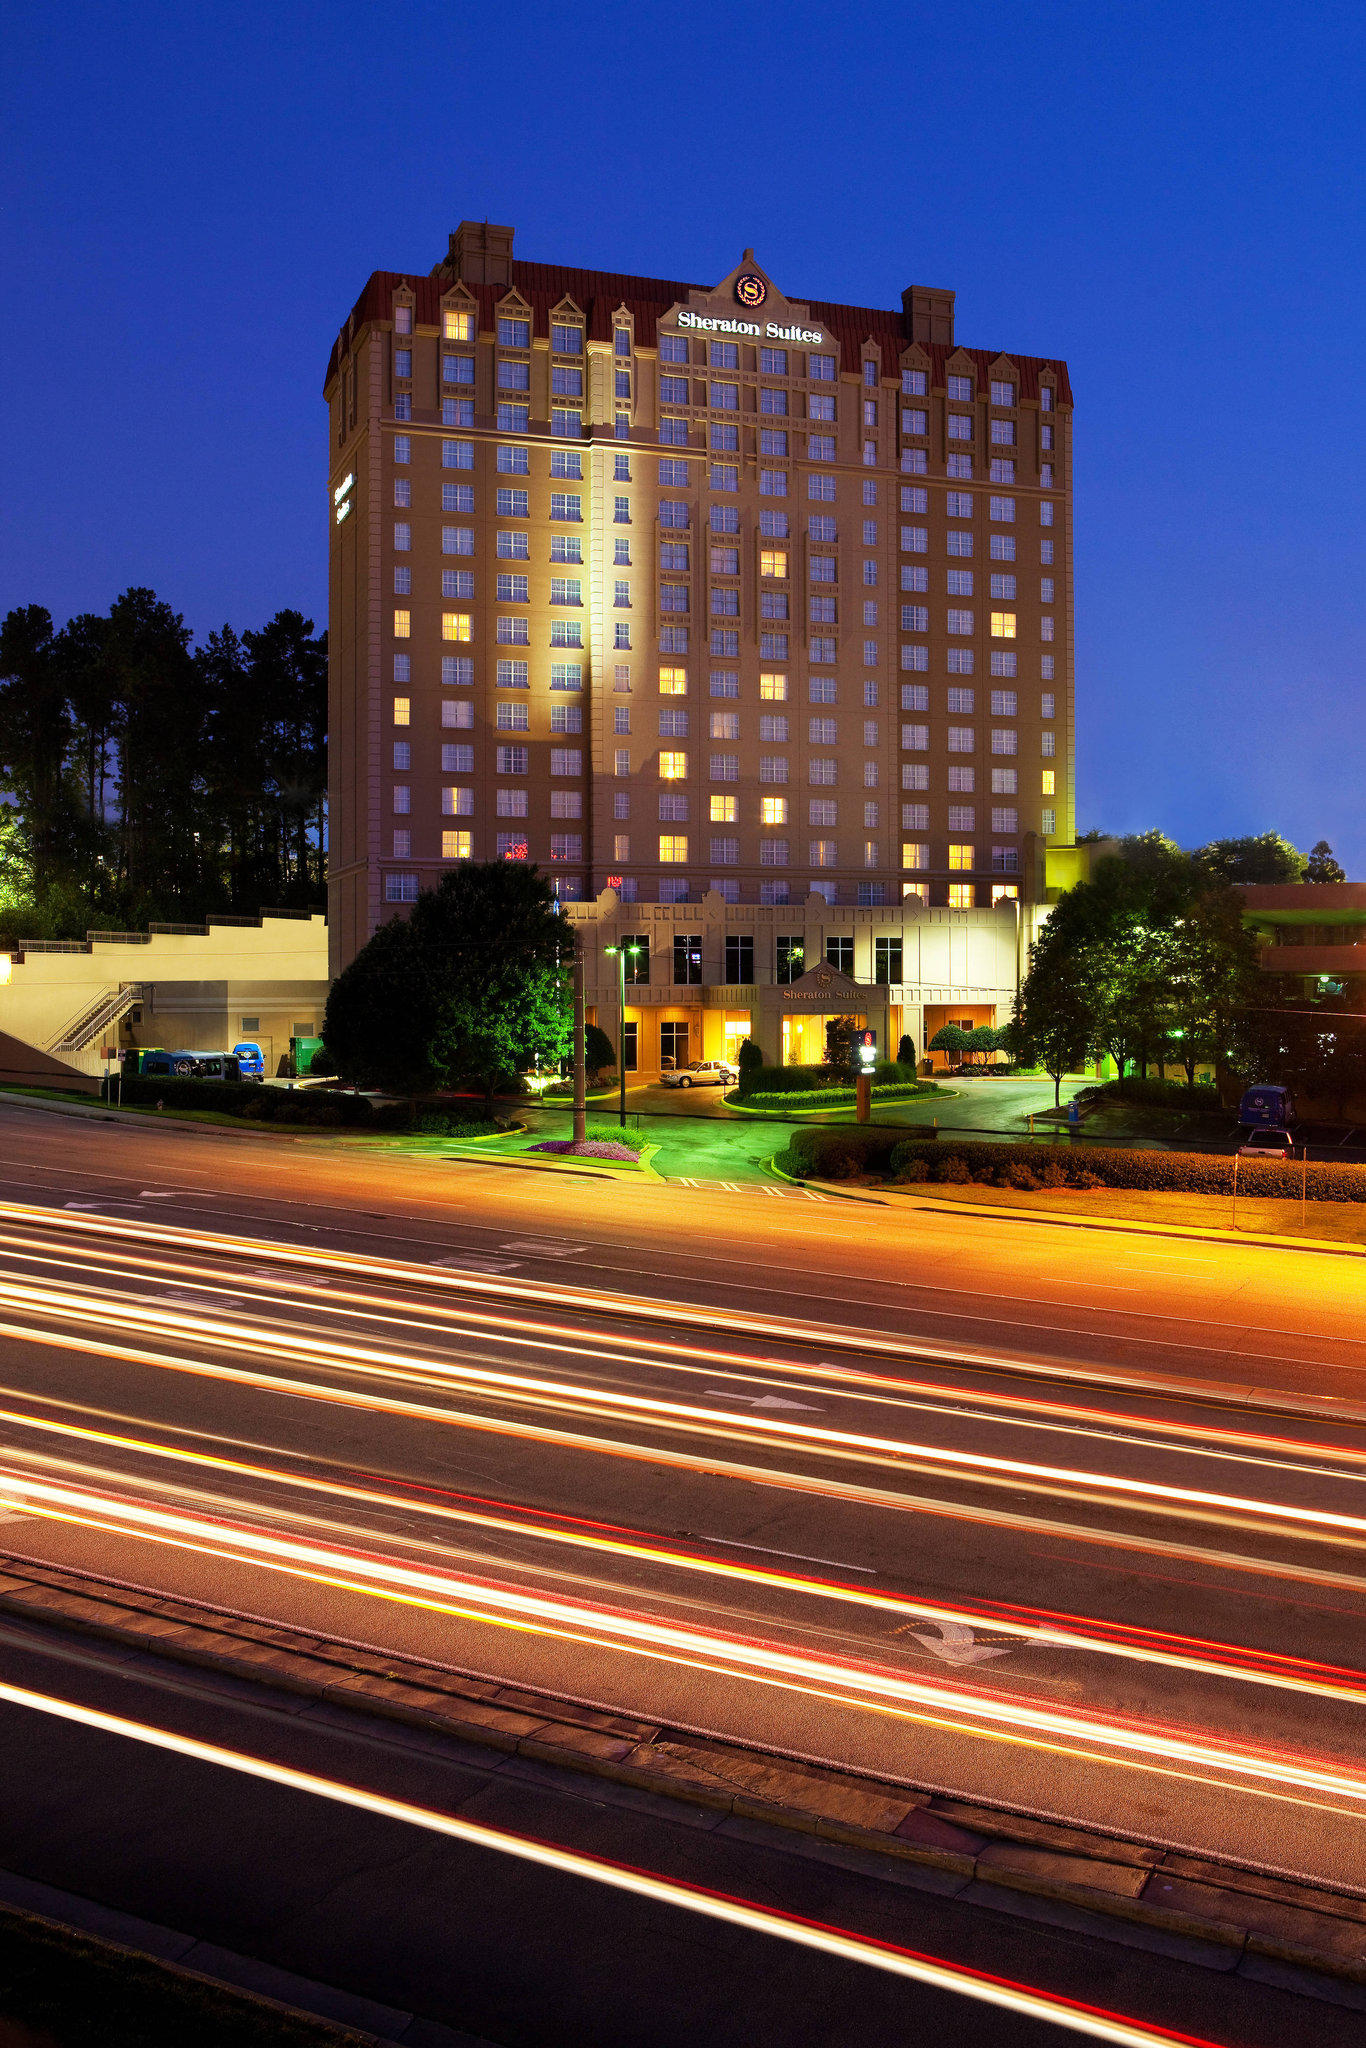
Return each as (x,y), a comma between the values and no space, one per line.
(87,1024)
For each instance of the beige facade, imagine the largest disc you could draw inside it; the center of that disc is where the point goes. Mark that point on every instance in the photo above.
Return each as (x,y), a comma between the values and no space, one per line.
(705,976)
(201,989)
(689,591)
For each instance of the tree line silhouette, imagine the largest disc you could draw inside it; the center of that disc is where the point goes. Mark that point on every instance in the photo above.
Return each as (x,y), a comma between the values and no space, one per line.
(143,778)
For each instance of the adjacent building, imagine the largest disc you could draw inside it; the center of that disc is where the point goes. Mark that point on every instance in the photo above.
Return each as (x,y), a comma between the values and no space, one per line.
(695,595)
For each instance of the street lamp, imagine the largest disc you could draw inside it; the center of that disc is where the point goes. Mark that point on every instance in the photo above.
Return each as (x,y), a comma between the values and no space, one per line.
(618,953)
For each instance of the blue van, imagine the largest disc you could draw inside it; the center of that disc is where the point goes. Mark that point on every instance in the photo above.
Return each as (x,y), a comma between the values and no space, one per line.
(1267,1108)
(251,1061)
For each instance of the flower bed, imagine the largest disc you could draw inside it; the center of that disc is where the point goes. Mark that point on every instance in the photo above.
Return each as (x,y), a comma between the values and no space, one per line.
(591,1148)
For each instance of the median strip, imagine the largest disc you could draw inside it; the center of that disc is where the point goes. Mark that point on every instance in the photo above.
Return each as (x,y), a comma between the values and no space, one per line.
(996,1853)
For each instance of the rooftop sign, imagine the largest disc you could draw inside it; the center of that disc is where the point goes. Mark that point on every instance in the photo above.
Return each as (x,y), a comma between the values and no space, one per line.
(769,330)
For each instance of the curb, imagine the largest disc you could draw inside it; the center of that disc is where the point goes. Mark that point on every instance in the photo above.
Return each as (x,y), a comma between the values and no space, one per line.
(1259,1912)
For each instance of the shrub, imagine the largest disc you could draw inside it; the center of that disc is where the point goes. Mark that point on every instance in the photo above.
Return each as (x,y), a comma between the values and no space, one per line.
(858,1151)
(750,1061)
(1153,1093)
(1100,1166)
(831,1098)
(837,1154)
(906,1053)
(599,1054)
(613,1134)
(953,1170)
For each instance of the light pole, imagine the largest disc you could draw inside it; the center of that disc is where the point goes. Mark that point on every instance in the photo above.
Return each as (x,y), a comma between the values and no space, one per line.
(619,954)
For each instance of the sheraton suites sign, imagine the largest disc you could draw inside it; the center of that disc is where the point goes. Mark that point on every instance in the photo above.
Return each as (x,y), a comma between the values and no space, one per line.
(769,331)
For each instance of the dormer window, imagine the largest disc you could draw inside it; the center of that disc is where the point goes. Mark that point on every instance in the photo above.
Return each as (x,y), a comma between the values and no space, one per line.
(457,324)
(566,341)
(403,319)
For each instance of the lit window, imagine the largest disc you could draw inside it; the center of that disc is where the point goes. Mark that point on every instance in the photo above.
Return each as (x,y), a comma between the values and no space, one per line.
(673,682)
(673,767)
(673,847)
(960,895)
(772,809)
(457,845)
(402,711)
(456,626)
(773,562)
(456,325)
(914,854)
(723,810)
(1003,625)
(403,625)
(459,803)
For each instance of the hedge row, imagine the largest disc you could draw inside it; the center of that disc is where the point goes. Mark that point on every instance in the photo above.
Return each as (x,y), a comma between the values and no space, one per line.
(844,1154)
(1153,1093)
(808,1080)
(833,1098)
(322,1107)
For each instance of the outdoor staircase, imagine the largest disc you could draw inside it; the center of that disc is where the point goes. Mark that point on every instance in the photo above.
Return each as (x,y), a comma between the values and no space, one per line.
(86,1026)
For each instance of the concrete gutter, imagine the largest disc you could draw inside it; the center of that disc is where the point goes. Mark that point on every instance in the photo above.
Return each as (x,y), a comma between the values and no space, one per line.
(987,1853)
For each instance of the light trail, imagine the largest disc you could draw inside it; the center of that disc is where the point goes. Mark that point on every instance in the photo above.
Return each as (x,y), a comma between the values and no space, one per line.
(1279,1774)
(982,1405)
(711,1466)
(512,1388)
(1055,1631)
(931,1971)
(622,1306)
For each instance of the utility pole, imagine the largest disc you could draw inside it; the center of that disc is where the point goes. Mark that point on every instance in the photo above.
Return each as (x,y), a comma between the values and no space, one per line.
(580,1069)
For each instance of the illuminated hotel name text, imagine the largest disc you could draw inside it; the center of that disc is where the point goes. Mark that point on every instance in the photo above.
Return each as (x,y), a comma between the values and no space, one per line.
(770,330)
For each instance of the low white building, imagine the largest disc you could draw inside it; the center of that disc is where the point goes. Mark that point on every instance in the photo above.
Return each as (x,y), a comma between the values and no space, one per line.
(705,976)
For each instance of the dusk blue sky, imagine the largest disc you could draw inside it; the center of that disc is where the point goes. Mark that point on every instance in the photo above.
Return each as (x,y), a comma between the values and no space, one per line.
(1167,196)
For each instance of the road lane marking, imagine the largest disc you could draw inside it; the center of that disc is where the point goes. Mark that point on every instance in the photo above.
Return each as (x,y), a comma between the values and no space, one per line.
(761,1400)
(836,1564)
(955,1643)
(544,1247)
(474,1263)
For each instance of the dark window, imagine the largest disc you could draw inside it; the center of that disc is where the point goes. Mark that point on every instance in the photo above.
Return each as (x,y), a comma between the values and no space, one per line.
(840,953)
(790,959)
(886,960)
(628,1047)
(739,958)
(687,961)
(673,1044)
(637,963)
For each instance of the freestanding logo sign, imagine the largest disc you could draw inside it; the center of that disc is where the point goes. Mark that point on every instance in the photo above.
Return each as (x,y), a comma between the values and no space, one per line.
(750,291)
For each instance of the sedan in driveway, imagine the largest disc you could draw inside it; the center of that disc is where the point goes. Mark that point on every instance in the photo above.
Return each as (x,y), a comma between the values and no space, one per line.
(701,1074)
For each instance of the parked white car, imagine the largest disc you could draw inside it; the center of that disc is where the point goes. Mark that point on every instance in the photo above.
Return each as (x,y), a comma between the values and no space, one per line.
(701,1074)
(1267,1144)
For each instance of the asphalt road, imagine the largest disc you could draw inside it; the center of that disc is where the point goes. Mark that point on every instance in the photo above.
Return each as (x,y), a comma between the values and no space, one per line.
(474,1937)
(935,1545)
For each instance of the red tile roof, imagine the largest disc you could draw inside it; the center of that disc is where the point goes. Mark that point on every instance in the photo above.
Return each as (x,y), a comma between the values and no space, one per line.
(599,293)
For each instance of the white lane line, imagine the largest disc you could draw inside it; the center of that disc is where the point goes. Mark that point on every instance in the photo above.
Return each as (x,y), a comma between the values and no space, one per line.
(474,1264)
(544,1247)
(804,1557)
(155,1195)
(188,1298)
